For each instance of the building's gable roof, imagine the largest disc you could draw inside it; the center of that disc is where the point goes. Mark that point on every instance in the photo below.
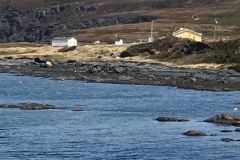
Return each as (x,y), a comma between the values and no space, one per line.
(130,40)
(186,30)
(62,38)
(118,40)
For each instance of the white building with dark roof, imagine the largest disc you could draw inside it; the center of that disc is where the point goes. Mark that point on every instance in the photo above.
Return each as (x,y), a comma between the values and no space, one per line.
(64,41)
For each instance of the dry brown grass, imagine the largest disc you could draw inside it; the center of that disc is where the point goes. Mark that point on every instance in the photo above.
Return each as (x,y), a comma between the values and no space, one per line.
(20,44)
(89,52)
(83,52)
(168,20)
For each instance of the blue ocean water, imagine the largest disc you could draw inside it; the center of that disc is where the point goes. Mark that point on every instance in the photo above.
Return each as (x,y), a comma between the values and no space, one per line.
(117,121)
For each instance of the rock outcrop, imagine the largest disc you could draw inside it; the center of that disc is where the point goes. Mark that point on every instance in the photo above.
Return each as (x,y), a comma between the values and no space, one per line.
(226,130)
(29,106)
(171,119)
(226,118)
(25,23)
(127,73)
(76,109)
(40,21)
(237,129)
(227,139)
(194,133)
(171,45)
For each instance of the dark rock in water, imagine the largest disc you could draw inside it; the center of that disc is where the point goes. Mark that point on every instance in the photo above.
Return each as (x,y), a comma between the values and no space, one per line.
(171,119)
(237,129)
(213,134)
(39,60)
(194,133)
(183,120)
(226,130)
(166,119)
(236,124)
(227,139)
(10,105)
(237,103)
(30,106)
(225,118)
(76,109)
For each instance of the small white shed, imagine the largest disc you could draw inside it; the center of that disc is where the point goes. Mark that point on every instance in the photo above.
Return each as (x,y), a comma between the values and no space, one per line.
(119,42)
(64,41)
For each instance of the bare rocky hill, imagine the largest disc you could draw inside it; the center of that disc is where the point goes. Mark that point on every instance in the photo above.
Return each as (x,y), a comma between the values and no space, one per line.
(41,20)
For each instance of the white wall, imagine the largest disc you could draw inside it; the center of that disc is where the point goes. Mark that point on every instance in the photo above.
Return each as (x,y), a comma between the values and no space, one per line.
(72,42)
(61,43)
(119,42)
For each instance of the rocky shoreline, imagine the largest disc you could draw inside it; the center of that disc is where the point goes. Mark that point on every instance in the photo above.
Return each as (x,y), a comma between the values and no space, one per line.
(126,73)
(227,119)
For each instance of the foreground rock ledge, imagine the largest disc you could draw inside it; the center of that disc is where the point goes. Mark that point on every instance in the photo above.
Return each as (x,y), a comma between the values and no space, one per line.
(225,118)
(30,106)
(127,73)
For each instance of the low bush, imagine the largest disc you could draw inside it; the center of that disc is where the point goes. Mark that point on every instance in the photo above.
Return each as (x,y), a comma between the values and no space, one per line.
(237,68)
(7,52)
(67,49)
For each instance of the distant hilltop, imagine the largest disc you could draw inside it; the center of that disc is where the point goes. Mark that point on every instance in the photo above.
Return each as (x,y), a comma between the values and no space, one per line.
(41,20)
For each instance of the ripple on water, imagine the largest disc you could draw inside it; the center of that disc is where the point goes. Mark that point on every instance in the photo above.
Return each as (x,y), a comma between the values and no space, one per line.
(117,121)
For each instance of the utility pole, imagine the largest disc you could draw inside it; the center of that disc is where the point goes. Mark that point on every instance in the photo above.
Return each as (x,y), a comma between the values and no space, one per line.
(152,30)
(215,28)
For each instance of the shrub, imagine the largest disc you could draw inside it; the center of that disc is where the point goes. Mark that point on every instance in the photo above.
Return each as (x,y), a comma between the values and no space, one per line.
(67,49)
(177,54)
(237,68)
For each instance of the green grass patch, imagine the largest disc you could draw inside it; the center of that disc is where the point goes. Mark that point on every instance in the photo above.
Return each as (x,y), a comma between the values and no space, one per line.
(56,57)
(237,68)
(8,52)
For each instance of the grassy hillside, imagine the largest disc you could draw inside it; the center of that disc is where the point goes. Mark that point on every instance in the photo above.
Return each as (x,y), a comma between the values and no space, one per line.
(108,18)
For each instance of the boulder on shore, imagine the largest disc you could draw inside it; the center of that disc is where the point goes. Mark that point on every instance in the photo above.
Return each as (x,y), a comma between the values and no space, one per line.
(29,106)
(226,118)
(39,60)
(194,133)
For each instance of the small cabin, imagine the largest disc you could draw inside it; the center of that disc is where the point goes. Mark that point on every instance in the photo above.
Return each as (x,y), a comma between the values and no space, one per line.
(145,40)
(142,40)
(119,42)
(187,33)
(64,41)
